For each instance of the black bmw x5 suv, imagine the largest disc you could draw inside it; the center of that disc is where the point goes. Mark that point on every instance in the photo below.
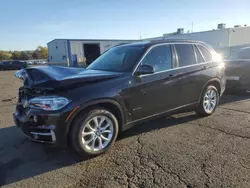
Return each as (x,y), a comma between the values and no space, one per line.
(126,85)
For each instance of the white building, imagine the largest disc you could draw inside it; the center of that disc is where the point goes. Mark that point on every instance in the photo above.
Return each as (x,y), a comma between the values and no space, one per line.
(224,40)
(71,52)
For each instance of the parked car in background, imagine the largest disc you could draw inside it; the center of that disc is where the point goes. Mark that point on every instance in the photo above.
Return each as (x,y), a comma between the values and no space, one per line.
(29,63)
(238,71)
(42,62)
(37,62)
(13,65)
(1,65)
(126,85)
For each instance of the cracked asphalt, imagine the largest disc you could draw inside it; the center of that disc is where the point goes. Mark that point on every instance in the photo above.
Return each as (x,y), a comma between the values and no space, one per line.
(183,151)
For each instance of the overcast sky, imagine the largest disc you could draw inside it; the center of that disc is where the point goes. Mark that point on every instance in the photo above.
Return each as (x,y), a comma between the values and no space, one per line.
(25,24)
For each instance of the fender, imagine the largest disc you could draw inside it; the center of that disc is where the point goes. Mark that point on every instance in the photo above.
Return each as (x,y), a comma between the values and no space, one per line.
(205,85)
(91,103)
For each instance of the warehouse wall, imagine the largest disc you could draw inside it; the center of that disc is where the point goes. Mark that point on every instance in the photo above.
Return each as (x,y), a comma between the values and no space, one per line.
(77,46)
(105,45)
(77,49)
(57,52)
(216,38)
(154,38)
(239,38)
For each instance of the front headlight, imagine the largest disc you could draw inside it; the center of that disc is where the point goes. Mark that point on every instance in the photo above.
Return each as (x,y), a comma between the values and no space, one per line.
(48,103)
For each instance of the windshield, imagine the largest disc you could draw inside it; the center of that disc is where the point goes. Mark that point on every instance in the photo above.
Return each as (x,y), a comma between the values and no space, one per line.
(242,54)
(118,59)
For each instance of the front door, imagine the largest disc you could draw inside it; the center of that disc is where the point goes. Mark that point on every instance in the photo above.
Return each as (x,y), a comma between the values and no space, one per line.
(155,93)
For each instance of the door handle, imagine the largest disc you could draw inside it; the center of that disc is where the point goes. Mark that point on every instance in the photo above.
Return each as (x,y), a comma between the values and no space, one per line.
(204,67)
(171,75)
(143,91)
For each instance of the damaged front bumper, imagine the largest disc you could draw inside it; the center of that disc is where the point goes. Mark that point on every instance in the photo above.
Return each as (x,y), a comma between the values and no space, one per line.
(44,133)
(41,126)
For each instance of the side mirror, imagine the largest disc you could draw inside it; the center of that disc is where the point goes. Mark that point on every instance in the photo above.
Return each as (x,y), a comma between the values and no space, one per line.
(145,69)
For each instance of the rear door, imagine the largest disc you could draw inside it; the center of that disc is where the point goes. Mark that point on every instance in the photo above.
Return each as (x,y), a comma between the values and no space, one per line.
(193,72)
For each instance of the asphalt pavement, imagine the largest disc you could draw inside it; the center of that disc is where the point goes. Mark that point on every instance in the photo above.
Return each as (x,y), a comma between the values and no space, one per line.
(183,151)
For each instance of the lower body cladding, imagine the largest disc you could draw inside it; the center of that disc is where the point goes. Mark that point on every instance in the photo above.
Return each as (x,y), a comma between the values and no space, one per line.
(40,127)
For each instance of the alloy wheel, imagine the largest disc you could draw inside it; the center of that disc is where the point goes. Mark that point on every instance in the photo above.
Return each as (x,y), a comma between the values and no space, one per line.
(210,100)
(97,133)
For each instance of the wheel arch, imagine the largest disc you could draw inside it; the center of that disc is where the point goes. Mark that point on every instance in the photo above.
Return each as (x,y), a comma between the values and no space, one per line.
(215,82)
(113,106)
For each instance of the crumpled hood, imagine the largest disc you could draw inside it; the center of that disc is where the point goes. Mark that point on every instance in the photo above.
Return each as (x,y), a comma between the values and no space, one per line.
(54,77)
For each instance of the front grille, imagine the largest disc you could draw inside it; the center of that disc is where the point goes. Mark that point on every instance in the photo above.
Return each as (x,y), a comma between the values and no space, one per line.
(25,94)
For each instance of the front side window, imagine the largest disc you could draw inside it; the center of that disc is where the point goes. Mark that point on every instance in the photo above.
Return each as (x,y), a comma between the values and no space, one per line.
(185,54)
(160,57)
(118,59)
(207,55)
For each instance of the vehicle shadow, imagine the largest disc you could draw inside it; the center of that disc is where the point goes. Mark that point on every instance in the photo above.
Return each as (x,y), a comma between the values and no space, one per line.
(232,98)
(21,158)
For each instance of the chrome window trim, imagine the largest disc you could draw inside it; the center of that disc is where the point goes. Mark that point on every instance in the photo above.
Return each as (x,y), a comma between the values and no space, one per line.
(172,43)
(176,68)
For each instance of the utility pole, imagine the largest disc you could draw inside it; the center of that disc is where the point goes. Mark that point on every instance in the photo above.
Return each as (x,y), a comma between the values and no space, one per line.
(192,27)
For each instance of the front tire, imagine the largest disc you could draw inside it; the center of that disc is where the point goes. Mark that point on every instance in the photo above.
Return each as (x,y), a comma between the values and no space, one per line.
(94,132)
(209,101)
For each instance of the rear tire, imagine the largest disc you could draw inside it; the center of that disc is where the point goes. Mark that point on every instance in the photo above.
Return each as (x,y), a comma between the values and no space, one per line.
(94,132)
(209,101)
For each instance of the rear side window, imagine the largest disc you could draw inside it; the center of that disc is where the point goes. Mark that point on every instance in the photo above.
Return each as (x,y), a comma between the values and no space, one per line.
(199,57)
(206,54)
(185,54)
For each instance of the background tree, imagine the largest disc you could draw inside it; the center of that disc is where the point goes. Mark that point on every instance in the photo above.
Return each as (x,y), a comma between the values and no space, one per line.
(40,53)
(24,56)
(16,55)
(5,55)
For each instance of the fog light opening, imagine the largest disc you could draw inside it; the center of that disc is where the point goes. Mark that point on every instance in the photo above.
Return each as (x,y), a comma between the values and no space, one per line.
(35,136)
(35,119)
